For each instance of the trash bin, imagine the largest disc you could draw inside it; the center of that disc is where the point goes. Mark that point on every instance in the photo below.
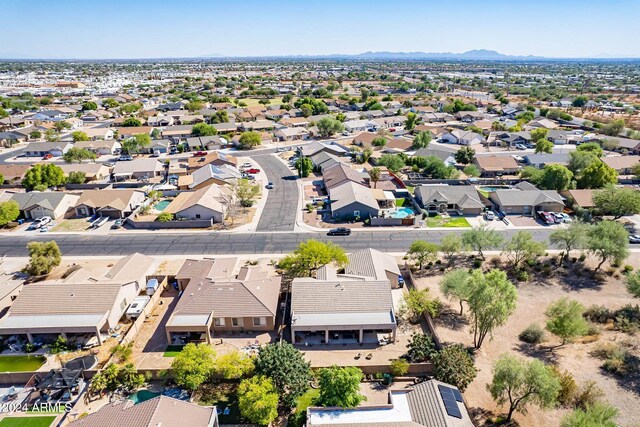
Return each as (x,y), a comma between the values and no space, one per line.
(20,221)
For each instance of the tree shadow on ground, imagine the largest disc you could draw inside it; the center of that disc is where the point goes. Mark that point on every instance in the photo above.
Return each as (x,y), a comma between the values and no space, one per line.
(630,379)
(451,319)
(485,418)
(543,353)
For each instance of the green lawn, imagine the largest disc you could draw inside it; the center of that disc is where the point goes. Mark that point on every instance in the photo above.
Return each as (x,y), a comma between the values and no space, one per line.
(20,363)
(438,221)
(223,396)
(299,416)
(172,350)
(484,193)
(27,421)
(400,202)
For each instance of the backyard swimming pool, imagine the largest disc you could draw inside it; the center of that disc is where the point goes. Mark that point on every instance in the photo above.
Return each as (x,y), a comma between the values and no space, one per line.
(162,205)
(142,396)
(402,212)
(491,189)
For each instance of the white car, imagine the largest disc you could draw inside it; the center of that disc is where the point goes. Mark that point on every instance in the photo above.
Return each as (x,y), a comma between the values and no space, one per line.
(562,217)
(489,216)
(43,220)
(246,165)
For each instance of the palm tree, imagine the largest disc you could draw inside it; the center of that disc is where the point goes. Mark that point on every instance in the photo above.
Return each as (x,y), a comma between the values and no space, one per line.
(374,175)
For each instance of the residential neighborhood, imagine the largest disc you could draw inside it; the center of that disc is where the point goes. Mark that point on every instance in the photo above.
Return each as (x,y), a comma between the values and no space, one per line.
(275,235)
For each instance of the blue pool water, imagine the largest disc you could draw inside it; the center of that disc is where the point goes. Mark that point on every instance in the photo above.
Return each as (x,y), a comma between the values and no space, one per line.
(490,189)
(402,212)
(142,396)
(162,205)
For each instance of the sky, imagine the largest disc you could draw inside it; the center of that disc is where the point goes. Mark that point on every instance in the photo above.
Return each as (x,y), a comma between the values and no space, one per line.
(108,29)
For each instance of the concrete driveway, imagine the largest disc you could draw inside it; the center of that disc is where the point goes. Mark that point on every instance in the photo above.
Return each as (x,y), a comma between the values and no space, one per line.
(279,213)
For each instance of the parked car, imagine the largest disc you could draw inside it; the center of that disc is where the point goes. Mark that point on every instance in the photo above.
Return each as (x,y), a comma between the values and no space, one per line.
(517,158)
(125,158)
(156,153)
(246,165)
(521,147)
(562,217)
(340,231)
(489,216)
(253,171)
(173,150)
(100,222)
(117,223)
(136,307)
(634,239)
(249,177)
(47,156)
(199,153)
(43,220)
(270,186)
(502,215)
(546,217)
(317,200)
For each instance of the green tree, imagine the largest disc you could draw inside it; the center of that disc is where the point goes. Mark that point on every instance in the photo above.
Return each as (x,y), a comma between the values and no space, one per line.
(597,415)
(522,247)
(555,177)
(610,144)
(417,302)
(632,282)
(465,155)
(614,128)
(340,387)
(76,177)
(165,217)
(492,299)
(569,238)
(456,284)
(544,146)
(412,120)
(203,129)
(43,256)
(131,122)
(193,365)
(286,367)
(246,192)
(3,113)
(471,171)
(130,108)
(420,347)
(374,175)
(129,378)
(311,255)
(194,106)
(75,154)
(233,366)
(258,400)
(597,175)
(79,136)
(379,141)
(399,367)
(618,202)
(580,101)
(591,147)
(608,240)
(249,140)
(110,103)
(422,140)
(481,238)
(304,166)
(564,319)
(520,383)
(9,211)
(453,365)
(392,162)
(580,160)
(89,105)
(43,175)
(51,135)
(328,126)
(36,134)
(450,246)
(422,252)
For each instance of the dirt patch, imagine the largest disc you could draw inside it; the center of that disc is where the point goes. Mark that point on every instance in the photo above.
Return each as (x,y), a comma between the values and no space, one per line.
(534,297)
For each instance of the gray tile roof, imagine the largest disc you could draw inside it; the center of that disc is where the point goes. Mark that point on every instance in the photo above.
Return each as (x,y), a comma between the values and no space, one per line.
(462,195)
(340,296)
(427,408)
(371,263)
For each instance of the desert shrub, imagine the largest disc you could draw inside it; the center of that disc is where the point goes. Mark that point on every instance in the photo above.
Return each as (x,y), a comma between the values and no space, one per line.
(522,276)
(598,314)
(533,334)
(568,387)
(582,257)
(588,395)
(628,269)
(615,358)
(477,263)
(399,367)
(164,217)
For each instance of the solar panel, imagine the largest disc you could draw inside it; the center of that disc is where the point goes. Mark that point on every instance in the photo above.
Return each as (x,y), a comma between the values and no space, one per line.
(452,408)
(457,394)
(450,399)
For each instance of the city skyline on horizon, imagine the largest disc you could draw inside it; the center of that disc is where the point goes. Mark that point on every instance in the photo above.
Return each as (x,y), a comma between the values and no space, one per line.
(286,28)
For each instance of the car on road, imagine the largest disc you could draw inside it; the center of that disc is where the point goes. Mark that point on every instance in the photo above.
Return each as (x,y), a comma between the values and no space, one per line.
(47,156)
(270,186)
(117,223)
(281,149)
(125,158)
(253,171)
(521,147)
(43,220)
(340,231)
(246,165)
(489,216)
(634,239)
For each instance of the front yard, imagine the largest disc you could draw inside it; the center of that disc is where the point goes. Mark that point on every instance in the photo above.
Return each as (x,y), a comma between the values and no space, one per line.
(72,225)
(449,222)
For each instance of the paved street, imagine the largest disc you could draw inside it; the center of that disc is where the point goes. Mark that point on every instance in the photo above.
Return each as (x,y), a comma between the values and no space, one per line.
(279,212)
(227,243)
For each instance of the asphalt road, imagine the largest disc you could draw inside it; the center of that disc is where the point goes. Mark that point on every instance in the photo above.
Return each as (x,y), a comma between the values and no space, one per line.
(226,243)
(280,209)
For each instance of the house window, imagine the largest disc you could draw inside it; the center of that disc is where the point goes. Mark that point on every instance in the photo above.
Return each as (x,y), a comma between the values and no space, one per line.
(356,213)
(259,321)
(236,322)
(197,216)
(218,321)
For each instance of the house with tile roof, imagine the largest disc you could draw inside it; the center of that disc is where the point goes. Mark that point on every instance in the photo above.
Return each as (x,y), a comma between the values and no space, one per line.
(452,199)
(112,203)
(525,199)
(54,204)
(209,203)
